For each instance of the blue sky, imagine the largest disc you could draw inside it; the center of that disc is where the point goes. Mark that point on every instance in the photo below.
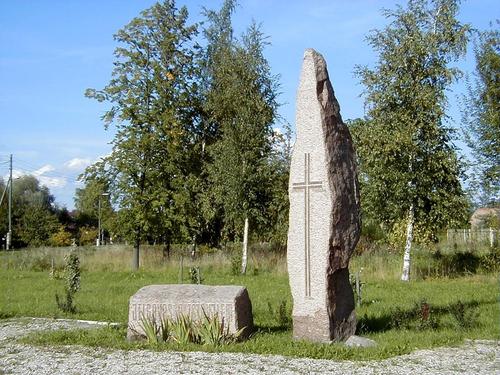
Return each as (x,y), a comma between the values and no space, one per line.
(51,51)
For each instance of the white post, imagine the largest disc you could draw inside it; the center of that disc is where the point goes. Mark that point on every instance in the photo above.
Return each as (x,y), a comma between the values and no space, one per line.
(244,256)
(409,238)
(492,237)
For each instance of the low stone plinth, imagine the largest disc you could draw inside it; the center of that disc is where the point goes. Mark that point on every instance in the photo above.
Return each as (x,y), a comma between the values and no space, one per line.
(154,302)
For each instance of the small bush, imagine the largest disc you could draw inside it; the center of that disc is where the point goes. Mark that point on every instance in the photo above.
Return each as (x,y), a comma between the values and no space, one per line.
(465,317)
(87,236)
(72,278)
(490,262)
(184,330)
(150,329)
(212,331)
(61,238)
(236,264)
(419,317)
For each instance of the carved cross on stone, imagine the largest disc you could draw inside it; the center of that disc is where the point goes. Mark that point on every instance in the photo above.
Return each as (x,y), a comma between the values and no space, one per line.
(307,185)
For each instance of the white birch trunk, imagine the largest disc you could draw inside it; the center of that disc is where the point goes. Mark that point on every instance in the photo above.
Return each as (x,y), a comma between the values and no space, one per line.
(244,256)
(409,238)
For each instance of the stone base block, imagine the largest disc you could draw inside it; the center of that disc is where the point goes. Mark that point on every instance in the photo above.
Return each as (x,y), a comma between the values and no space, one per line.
(154,302)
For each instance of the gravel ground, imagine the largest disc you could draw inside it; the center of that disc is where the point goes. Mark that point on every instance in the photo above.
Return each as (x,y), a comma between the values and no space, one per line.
(475,357)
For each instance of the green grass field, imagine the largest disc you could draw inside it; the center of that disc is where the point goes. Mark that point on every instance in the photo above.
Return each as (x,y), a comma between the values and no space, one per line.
(389,312)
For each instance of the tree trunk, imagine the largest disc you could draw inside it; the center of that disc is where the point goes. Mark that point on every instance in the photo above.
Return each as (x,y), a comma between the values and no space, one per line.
(135,256)
(166,250)
(409,238)
(244,256)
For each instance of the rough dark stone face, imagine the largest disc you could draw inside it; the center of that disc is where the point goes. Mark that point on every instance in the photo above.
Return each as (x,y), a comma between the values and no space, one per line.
(324,211)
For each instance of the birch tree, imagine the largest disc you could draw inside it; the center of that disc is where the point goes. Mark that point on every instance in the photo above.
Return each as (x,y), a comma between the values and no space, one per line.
(409,165)
(481,115)
(241,107)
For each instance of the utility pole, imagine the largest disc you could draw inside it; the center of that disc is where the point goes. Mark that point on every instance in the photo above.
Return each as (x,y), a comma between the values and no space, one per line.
(9,234)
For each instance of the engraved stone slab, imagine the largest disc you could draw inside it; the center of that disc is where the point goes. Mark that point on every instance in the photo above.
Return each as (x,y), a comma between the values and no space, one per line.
(230,303)
(324,223)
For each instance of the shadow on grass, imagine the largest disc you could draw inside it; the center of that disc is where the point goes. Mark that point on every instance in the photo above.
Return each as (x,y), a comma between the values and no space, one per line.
(271,329)
(421,312)
(6,315)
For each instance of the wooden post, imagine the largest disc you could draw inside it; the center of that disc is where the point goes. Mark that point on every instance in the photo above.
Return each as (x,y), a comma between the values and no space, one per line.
(358,289)
(181,270)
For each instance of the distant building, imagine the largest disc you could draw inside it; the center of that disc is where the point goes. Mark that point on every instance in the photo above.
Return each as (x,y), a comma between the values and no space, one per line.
(481,218)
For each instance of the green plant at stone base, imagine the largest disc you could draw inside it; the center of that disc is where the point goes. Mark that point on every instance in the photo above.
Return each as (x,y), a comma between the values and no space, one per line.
(72,278)
(165,325)
(151,329)
(184,330)
(212,331)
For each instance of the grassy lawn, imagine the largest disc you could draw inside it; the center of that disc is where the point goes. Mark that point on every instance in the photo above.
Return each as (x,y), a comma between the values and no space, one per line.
(389,313)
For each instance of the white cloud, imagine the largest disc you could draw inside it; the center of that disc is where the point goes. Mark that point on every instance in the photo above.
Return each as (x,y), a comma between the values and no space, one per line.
(52,182)
(46,168)
(77,163)
(49,181)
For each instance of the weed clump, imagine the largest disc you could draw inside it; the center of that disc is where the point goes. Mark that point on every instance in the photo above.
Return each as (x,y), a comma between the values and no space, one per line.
(195,275)
(465,317)
(281,314)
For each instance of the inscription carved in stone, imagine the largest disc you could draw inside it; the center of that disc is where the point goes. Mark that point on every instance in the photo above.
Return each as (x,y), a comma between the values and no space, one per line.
(154,302)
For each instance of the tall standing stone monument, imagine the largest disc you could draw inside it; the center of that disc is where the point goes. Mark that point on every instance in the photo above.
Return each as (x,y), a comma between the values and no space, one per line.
(324,222)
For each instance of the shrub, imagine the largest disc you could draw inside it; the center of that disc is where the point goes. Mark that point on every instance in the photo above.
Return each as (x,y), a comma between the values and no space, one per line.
(465,317)
(419,317)
(490,262)
(87,236)
(61,238)
(236,263)
(72,278)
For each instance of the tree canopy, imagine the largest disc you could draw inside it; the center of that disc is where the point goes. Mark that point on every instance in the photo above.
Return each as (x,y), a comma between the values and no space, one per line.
(191,153)
(481,114)
(405,147)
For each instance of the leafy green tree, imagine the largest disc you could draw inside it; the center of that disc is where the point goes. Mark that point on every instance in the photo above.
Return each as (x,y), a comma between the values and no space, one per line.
(241,106)
(153,94)
(33,214)
(88,199)
(409,166)
(482,116)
